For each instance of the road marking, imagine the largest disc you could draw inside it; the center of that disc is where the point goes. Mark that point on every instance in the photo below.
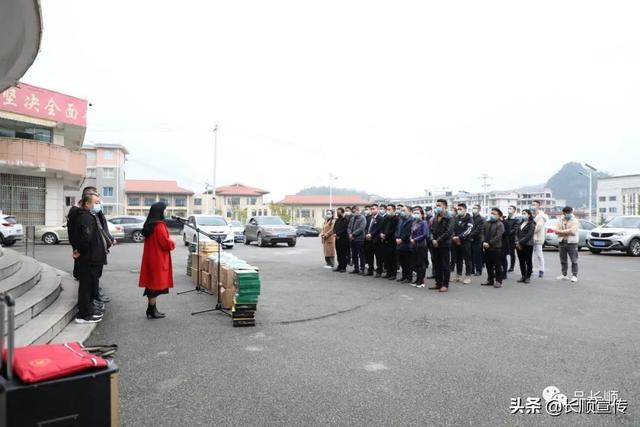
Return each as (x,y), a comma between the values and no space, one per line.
(254,349)
(163,353)
(407,297)
(375,366)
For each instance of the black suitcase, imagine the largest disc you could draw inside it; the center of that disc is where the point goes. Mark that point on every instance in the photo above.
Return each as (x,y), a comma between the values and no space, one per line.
(89,398)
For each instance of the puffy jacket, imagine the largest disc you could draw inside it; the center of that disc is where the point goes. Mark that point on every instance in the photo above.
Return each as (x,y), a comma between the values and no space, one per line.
(357,226)
(463,227)
(478,228)
(442,230)
(493,231)
(541,228)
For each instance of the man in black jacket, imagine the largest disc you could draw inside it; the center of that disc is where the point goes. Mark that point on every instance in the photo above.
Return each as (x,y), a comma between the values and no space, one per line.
(512,224)
(91,253)
(342,240)
(493,231)
(441,233)
(388,236)
(476,238)
(462,230)
(373,235)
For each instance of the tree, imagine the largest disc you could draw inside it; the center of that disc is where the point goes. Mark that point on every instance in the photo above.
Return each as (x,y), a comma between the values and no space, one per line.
(278,209)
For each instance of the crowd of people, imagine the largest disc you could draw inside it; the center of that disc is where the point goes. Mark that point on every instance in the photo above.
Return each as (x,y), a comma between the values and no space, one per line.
(400,242)
(91,242)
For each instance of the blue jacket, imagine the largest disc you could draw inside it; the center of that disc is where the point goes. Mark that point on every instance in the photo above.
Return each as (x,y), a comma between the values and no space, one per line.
(403,232)
(420,232)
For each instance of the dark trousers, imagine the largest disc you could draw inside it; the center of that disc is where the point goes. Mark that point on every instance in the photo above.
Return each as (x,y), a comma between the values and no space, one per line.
(512,252)
(419,265)
(426,256)
(357,255)
(452,262)
(525,259)
(88,277)
(391,258)
(441,265)
(463,254)
(406,259)
(494,265)
(378,252)
(477,258)
(342,250)
(369,254)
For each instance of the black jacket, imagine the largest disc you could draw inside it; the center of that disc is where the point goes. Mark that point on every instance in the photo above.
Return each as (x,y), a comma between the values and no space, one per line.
(478,228)
(376,228)
(442,230)
(524,236)
(390,225)
(89,240)
(340,228)
(72,225)
(463,227)
(493,232)
(513,224)
(404,234)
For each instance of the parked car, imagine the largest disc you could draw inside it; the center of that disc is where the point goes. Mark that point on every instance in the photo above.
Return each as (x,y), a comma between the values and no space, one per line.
(238,230)
(551,238)
(620,234)
(269,230)
(10,230)
(131,225)
(51,235)
(214,225)
(174,224)
(306,231)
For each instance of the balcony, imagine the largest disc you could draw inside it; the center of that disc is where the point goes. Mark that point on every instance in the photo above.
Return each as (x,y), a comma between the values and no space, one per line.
(39,158)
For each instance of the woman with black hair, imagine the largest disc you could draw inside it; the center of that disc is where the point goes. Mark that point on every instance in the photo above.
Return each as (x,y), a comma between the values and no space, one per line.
(524,244)
(156,271)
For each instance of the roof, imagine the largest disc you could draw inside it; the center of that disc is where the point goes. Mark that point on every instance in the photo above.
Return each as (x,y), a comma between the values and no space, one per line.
(154,186)
(237,189)
(112,146)
(618,177)
(336,200)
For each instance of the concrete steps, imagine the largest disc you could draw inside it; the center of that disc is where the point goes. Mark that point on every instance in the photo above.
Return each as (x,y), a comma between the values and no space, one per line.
(45,301)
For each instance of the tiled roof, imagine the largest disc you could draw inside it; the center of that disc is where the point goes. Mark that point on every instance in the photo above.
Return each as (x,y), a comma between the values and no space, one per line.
(154,186)
(237,189)
(336,200)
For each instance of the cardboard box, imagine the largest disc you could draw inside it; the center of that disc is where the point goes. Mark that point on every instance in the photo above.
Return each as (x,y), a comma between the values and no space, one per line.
(205,280)
(226,296)
(194,276)
(227,276)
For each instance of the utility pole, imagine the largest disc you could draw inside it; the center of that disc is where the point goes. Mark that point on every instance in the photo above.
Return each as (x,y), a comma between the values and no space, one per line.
(590,176)
(215,162)
(331,178)
(485,184)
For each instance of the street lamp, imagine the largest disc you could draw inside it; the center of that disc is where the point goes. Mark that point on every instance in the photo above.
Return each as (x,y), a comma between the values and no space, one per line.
(332,177)
(215,162)
(590,176)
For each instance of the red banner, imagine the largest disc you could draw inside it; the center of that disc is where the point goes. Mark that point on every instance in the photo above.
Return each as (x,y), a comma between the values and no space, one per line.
(44,104)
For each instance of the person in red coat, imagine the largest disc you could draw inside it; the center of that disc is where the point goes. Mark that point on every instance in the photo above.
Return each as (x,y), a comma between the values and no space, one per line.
(156,271)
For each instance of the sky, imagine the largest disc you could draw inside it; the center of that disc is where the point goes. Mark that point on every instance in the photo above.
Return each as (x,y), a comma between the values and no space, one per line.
(390,97)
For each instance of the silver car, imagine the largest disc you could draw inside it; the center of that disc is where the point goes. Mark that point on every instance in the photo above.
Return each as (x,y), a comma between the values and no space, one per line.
(551,238)
(269,230)
(620,234)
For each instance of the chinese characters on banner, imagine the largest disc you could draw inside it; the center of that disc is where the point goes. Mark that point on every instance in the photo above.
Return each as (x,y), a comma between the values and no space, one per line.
(44,104)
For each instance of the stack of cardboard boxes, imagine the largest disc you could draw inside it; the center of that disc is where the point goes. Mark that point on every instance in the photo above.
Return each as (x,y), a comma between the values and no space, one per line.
(245,302)
(200,264)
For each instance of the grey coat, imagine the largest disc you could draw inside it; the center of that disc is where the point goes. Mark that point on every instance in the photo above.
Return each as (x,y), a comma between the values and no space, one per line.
(357,226)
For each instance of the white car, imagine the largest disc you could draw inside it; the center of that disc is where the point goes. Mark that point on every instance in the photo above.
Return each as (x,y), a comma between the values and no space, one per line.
(10,230)
(238,230)
(213,225)
(53,235)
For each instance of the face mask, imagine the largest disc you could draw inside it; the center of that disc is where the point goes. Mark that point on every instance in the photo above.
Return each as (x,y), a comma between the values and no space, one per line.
(348,213)
(437,211)
(416,216)
(328,216)
(475,211)
(366,212)
(383,212)
(493,218)
(460,212)
(511,212)
(568,217)
(525,217)
(534,209)
(97,208)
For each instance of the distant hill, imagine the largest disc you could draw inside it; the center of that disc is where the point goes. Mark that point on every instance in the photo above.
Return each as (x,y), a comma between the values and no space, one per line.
(319,191)
(568,184)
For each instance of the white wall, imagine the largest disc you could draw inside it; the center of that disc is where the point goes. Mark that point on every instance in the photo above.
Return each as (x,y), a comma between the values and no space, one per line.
(54,202)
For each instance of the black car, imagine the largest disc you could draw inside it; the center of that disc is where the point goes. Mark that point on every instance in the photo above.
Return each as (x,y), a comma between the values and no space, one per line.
(306,231)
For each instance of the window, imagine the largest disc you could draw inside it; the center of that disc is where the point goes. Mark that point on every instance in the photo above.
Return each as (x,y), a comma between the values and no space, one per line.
(91,173)
(107,191)
(603,210)
(91,155)
(164,200)
(197,202)
(252,201)
(108,173)
(181,202)
(17,131)
(149,200)
(107,210)
(233,201)
(305,213)
(613,210)
(229,213)
(134,201)
(69,201)
(197,212)
(107,154)
(116,221)
(602,199)
(612,198)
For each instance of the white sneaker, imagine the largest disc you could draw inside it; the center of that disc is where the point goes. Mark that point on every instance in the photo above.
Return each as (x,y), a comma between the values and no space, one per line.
(467,281)
(574,279)
(562,278)
(327,266)
(420,285)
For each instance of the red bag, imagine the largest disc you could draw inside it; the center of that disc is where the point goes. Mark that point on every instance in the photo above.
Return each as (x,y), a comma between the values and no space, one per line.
(36,363)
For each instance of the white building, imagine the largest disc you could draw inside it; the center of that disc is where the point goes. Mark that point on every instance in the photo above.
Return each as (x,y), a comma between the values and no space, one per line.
(618,195)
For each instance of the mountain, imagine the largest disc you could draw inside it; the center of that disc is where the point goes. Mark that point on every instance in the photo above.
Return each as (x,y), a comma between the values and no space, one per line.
(569,185)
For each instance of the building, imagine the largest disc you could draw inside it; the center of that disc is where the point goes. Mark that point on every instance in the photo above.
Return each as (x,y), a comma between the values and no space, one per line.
(310,209)
(141,194)
(106,172)
(21,33)
(241,202)
(492,199)
(618,195)
(41,133)
(543,195)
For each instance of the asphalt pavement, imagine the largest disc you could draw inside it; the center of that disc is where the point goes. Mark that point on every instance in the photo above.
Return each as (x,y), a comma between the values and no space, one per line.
(340,349)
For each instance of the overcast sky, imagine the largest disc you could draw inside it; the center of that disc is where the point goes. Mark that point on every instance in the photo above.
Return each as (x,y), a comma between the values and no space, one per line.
(391,97)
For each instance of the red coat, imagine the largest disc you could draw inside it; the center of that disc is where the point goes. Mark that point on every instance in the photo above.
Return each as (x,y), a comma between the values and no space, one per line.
(156,271)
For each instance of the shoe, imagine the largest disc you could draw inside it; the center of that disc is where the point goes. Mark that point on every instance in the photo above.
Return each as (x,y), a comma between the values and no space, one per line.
(510,270)
(400,279)
(541,274)
(369,273)
(392,277)
(520,280)
(497,285)
(87,320)
(562,278)
(414,284)
(407,281)
(354,272)
(362,273)
(103,299)
(421,285)
(436,286)
(486,284)
(378,276)
(99,305)
(477,274)
(444,289)
(456,278)
(97,314)
(414,281)
(328,266)
(431,277)
(574,279)
(467,280)
(153,313)
(527,280)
